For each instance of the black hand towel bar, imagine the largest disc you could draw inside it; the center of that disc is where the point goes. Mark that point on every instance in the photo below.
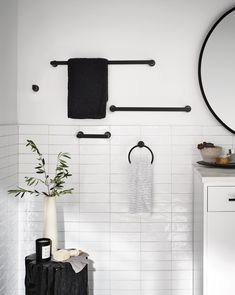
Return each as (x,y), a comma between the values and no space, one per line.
(150,109)
(150,62)
(80,134)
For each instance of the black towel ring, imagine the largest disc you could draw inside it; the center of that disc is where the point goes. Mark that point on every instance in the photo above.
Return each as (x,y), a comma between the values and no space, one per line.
(140,144)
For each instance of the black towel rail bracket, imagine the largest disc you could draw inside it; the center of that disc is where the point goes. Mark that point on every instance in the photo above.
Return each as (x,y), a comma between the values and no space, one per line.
(35,88)
(80,134)
(149,62)
(140,144)
(113,108)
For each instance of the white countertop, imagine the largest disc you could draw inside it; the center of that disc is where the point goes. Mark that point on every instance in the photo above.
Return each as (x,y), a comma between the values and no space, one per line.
(215,174)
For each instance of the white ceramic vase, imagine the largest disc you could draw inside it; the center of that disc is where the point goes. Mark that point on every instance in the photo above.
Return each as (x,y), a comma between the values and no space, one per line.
(50,221)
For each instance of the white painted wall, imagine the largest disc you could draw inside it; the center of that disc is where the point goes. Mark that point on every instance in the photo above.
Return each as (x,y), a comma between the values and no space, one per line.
(8,61)
(171,32)
(8,148)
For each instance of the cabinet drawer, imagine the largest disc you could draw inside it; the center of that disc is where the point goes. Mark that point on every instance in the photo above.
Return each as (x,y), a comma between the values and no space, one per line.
(220,198)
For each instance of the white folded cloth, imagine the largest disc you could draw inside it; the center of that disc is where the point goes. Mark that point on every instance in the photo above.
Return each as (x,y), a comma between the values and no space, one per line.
(141,179)
(78,262)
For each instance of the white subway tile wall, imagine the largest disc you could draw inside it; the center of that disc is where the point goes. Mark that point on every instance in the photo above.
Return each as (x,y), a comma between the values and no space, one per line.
(8,210)
(129,254)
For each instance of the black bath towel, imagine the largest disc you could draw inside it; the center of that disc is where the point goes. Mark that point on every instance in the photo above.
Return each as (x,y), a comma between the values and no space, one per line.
(87,88)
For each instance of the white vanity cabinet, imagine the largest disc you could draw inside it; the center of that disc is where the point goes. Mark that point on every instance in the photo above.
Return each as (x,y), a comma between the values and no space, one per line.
(214,231)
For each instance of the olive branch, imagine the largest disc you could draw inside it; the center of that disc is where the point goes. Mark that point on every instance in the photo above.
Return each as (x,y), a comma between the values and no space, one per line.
(54,186)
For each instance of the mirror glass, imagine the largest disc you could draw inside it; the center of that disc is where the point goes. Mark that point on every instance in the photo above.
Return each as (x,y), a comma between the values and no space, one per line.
(217,70)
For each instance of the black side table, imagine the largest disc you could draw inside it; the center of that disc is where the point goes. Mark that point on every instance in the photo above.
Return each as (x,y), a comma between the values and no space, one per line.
(54,278)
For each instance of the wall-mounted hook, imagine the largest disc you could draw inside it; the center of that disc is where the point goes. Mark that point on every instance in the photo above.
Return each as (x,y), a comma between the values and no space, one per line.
(35,88)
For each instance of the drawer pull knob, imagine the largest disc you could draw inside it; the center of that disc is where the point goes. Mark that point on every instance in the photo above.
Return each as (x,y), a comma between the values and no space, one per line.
(231,199)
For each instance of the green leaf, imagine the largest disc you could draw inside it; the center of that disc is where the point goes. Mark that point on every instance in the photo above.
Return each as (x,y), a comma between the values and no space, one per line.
(66,156)
(55,186)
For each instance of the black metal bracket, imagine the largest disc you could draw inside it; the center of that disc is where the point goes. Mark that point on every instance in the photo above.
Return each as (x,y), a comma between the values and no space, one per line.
(149,62)
(140,144)
(113,108)
(80,134)
(35,88)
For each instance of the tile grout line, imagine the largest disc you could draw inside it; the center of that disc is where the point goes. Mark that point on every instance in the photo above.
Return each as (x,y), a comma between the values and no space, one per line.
(171,216)
(110,222)
(140,223)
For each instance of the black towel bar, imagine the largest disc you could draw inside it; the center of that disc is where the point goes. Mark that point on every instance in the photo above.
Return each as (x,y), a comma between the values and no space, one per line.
(80,134)
(150,62)
(150,109)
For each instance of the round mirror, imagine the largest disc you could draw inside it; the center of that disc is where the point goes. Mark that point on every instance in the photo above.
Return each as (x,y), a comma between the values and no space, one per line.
(216,70)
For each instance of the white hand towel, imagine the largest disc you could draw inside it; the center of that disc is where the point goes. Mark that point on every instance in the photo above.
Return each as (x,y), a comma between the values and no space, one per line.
(141,184)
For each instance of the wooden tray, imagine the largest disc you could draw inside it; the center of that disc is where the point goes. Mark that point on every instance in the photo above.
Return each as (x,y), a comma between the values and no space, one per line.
(214,165)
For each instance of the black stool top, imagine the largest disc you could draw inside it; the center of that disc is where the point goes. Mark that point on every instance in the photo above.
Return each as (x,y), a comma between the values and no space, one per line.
(54,278)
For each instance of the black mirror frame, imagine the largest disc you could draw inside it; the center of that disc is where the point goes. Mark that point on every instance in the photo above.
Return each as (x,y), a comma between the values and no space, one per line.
(199,68)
